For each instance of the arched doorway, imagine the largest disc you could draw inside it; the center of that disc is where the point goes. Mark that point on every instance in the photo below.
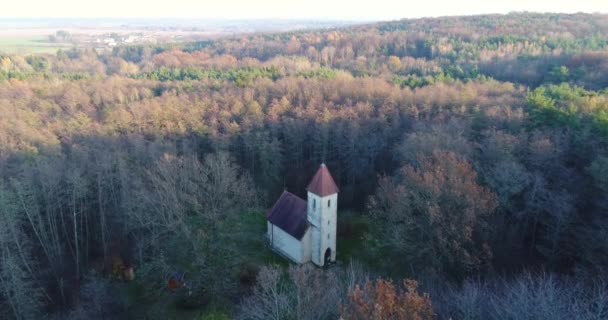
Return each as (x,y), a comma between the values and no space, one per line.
(327,256)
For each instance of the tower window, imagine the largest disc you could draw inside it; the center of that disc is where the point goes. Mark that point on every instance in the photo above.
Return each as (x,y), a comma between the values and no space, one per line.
(328,236)
(329,203)
(314,203)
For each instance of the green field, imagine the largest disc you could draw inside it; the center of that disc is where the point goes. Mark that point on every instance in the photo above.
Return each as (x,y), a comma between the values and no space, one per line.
(29,45)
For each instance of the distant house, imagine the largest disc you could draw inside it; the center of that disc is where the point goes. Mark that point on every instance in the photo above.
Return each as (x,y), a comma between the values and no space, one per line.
(303,230)
(129,39)
(109,42)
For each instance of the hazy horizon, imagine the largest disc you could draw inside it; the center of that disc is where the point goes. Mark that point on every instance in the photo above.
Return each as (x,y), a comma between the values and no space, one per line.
(284,10)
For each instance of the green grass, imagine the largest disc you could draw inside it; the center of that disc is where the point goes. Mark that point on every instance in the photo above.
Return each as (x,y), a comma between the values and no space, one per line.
(254,224)
(361,240)
(244,232)
(214,313)
(29,45)
(356,238)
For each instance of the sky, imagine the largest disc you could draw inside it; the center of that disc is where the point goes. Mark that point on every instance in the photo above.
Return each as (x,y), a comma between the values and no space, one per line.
(286,9)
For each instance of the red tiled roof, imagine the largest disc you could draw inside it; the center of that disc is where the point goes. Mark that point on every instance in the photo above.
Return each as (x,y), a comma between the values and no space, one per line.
(289,214)
(322,184)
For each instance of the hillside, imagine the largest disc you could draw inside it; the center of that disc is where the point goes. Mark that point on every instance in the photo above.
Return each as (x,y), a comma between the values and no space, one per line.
(471,154)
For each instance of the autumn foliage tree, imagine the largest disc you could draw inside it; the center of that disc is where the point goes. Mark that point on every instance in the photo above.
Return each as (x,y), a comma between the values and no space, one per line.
(382,300)
(434,213)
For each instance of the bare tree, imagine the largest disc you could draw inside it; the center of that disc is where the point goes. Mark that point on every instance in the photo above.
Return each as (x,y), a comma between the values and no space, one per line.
(18,288)
(304,293)
(270,298)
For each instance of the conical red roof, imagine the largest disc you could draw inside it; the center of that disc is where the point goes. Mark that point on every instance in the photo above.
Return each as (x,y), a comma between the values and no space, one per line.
(322,184)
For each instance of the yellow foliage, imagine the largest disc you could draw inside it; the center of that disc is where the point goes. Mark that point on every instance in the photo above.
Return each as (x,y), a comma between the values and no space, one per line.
(394,63)
(5,64)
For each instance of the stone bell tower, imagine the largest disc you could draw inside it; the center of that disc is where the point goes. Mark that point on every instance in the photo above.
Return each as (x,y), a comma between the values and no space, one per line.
(323,216)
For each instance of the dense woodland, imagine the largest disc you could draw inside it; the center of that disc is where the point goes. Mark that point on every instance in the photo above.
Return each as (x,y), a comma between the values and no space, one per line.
(471,155)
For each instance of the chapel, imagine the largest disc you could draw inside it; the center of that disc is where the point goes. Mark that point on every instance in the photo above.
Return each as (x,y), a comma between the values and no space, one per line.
(305,230)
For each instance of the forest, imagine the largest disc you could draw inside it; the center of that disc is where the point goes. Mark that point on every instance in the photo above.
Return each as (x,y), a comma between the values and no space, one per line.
(471,155)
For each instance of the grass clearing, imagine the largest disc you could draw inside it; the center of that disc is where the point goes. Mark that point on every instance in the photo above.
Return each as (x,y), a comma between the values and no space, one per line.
(30,44)
(246,251)
(359,239)
(254,224)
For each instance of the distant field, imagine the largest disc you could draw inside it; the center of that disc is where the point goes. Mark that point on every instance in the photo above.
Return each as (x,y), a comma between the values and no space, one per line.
(29,44)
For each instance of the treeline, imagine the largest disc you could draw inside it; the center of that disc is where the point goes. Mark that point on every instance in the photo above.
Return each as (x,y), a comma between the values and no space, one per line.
(464,147)
(530,49)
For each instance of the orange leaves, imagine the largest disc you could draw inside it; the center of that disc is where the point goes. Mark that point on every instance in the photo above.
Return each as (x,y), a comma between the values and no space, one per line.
(381,299)
(434,213)
(445,172)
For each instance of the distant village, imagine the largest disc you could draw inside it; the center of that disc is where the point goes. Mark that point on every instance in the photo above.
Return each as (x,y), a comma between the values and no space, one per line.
(112,39)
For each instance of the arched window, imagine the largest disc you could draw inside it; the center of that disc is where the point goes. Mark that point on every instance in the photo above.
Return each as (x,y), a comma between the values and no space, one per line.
(314,204)
(329,203)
